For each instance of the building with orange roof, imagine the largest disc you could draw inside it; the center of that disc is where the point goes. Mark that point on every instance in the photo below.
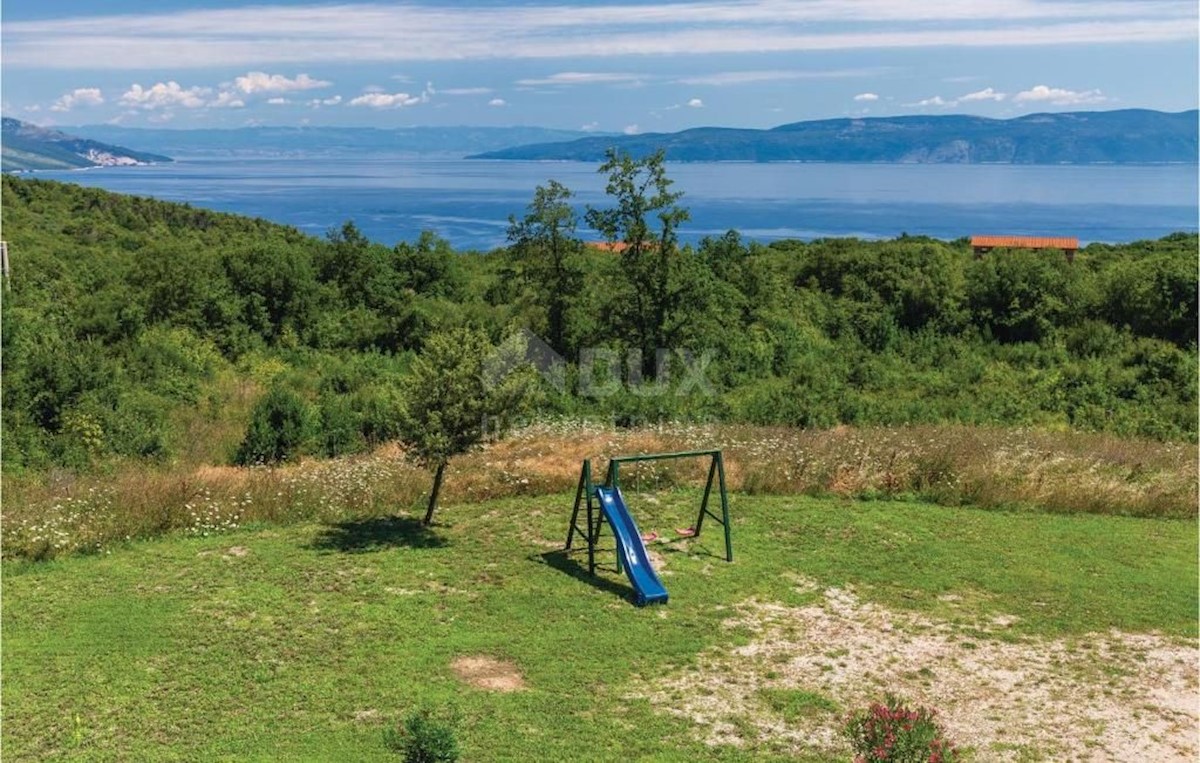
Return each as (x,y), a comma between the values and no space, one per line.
(984,244)
(615,247)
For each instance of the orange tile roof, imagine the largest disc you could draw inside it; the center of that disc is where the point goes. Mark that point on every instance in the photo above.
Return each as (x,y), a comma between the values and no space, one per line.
(1025,242)
(614,247)
(608,246)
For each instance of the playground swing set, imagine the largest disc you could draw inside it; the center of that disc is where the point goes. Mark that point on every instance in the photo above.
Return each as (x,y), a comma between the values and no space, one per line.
(603,504)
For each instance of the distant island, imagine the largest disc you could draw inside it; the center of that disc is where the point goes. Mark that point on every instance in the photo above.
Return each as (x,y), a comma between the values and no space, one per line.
(27,146)
(1128,136)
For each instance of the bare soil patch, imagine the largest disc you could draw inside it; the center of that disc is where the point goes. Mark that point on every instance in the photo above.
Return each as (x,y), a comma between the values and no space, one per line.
(1110,696)
(484,672)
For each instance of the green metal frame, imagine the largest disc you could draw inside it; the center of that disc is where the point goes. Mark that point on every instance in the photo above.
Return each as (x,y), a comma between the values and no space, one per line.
(586,491)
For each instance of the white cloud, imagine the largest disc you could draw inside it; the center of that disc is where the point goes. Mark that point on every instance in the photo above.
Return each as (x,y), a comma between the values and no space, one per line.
(987,94)
(696,103)
(227,99)
(277,101)
(936,100)
(719,79)
(866,97)
(164,95)
(581,78)
(1059,96)
(317,103)
(385,100)
(81,96)
(466,91)
(421,30)
(377,100)
(631,129)
(261,82)
(590,127)
(497,102)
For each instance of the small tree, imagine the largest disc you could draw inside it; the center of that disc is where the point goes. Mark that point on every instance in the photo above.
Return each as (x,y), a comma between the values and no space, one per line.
(460,393)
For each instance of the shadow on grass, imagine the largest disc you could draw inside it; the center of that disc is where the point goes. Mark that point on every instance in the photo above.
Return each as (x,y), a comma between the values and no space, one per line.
(692,547)
(376,534)
(565,563)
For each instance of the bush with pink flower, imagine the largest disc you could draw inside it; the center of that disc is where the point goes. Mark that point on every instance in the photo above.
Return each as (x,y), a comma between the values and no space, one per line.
(892,732)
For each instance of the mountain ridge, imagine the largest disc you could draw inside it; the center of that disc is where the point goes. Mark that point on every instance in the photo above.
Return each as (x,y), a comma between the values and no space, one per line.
(1125,136)
(286,140)
(27,146)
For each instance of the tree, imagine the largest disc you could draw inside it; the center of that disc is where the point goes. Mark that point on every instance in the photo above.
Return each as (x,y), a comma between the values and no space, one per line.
(460,392)
(429,266)
(276,286)
(544,243)
(641,191)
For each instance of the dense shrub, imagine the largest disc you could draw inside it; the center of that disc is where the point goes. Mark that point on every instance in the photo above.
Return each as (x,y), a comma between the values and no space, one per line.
(891,732)
(339,430)
(279,428)
(424,739)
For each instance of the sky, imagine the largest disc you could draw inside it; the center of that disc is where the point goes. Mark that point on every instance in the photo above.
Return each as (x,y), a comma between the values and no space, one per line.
(609,66)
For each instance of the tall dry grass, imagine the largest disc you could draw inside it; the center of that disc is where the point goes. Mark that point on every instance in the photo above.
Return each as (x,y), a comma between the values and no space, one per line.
(50,514)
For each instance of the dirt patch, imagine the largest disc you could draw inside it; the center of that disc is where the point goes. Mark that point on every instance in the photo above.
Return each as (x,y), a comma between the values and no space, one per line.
(489,673)
(1104,696)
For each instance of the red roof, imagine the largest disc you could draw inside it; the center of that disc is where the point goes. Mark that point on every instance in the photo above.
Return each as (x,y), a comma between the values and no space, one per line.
(615,247)
(609,246)
(1025,242)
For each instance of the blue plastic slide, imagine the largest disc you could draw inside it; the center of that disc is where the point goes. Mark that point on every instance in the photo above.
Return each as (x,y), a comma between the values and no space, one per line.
(646,585)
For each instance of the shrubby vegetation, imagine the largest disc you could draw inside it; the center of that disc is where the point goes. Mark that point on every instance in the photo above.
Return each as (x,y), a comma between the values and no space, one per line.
(892,732)
(142,329)
(424,739)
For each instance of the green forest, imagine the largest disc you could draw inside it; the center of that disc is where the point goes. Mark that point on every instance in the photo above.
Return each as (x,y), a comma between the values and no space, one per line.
(130,325)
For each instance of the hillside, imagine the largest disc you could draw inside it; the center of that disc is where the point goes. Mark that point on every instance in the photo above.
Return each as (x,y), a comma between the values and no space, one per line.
(140,329)
(30,147)
(1129,136)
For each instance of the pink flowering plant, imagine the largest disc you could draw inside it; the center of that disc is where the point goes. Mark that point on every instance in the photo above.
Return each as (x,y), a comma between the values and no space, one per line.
(894,733)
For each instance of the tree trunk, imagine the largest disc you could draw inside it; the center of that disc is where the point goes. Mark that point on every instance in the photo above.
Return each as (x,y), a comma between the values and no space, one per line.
(437,488)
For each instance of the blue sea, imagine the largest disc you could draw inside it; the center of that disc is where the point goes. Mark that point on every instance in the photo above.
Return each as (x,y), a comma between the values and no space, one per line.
(468,202)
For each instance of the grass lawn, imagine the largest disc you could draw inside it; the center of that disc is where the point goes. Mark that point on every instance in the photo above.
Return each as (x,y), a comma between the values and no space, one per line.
(304,642)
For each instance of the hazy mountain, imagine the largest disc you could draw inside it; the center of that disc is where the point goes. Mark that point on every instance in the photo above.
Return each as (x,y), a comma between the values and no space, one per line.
(27,146)
(1131,136)
(277,141)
